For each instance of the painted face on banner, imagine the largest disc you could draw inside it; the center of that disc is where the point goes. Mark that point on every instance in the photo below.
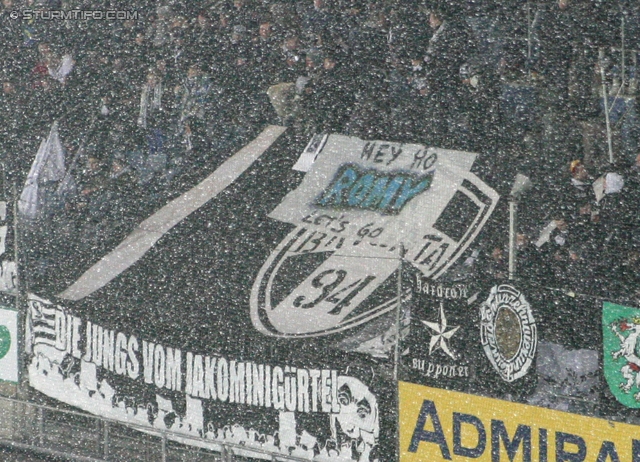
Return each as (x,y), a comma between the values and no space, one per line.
(356,424)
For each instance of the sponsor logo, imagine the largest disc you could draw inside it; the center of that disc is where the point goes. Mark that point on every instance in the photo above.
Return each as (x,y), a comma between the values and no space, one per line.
(438,425)
(508,332)
(621,342)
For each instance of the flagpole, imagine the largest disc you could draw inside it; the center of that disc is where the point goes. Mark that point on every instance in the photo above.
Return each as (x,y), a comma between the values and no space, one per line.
(396,351)
(20,295)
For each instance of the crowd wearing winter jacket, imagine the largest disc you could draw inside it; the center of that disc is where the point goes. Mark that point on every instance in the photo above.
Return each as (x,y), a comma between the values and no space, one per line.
(147,105)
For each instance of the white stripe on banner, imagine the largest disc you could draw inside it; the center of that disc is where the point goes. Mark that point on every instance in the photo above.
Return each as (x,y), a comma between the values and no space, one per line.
(153,228)
(44,329)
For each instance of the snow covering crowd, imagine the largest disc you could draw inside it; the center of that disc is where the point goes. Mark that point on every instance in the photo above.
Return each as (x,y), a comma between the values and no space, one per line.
(146,105)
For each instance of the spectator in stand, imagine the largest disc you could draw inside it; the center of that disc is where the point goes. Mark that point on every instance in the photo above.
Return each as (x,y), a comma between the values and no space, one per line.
(194,106)
(177,46)
(326,100)
(292,63)
(243,15)
(566,38)
(153,117)
(316,21)
(449,48)
(158,31)
(201,39)
(122,95)
(11,35)
(616,225)
(15,130)
(576,196)
(264,55)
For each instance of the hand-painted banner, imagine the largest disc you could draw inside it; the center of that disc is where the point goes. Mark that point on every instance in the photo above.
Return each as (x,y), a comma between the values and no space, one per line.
(274,407)
(269,297)
(472,335)
(168,341)
(375,196)
(438,425)
(364,202)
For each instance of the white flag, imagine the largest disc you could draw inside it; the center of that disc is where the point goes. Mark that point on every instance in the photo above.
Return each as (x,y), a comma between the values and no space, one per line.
(47,167)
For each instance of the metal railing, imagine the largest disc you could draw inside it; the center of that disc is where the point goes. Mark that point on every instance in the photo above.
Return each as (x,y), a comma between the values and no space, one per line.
(83,437)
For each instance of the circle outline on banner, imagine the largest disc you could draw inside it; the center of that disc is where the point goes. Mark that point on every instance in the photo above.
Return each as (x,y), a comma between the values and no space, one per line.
(507,297)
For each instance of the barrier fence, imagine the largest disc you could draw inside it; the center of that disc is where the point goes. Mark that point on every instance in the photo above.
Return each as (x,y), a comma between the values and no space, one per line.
(81,437)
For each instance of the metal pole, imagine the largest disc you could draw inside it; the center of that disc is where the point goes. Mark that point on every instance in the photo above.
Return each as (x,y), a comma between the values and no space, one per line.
(106,441)
(513,210)
(529,52)
(623,52)
(164,447)
(396,352)
(21,294)
(606,104)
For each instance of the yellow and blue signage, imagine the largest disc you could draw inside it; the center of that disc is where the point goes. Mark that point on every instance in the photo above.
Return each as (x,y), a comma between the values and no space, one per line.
(441,425)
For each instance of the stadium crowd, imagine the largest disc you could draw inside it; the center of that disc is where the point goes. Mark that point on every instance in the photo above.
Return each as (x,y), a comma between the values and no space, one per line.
(147,104)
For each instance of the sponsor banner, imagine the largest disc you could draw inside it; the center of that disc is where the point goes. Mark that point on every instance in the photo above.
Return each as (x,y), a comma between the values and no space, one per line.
(274,406)
(438,425)
(621,355)
(8,345)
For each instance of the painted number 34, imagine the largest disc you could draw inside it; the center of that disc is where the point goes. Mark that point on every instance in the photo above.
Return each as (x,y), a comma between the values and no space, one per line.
(333,291)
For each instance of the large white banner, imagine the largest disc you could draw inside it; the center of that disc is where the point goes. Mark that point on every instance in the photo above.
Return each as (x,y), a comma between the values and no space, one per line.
(366,205)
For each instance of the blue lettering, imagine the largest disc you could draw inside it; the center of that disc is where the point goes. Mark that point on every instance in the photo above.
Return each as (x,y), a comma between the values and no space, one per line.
(408,192)
(499,432)
(436,436)
(360,190)
(377,193)
(458,448)
(391,191)
(383,192)
(608,451)
(348,177)
(562,455)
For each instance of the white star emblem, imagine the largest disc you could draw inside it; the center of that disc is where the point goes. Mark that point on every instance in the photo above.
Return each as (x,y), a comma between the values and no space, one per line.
(439,339)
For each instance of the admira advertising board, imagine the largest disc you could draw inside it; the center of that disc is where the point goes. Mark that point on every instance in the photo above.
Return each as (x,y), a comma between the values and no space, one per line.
(438,425)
